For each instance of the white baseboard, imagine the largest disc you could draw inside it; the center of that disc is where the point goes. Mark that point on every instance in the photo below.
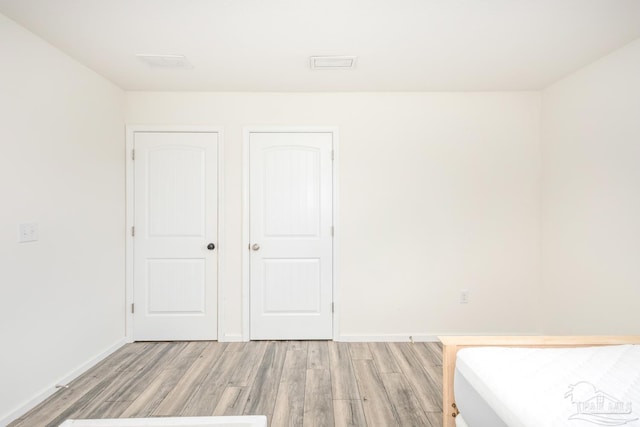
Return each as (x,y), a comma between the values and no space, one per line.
(388,338)
(420,337)
(51,388)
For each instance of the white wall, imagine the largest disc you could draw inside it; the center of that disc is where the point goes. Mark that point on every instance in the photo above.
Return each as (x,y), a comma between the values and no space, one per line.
(438,192)
(591,220)
(62,166)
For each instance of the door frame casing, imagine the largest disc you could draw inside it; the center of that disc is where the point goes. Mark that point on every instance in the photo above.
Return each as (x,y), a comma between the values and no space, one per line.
(130,211)
(246,258)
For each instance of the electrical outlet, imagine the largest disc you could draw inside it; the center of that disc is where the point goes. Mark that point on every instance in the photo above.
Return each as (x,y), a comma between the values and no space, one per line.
(464,296)
(28,232)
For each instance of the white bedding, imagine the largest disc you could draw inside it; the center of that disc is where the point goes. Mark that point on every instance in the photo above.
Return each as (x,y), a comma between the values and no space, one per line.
(577,387)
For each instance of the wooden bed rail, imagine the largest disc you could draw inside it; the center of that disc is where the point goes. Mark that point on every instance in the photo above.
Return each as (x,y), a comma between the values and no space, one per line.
(451,345)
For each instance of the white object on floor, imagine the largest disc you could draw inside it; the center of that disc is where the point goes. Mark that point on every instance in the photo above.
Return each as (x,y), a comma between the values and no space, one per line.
(239,421)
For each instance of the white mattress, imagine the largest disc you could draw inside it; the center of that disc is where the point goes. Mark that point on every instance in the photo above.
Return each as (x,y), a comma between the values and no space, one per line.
(577,387)
(460,421)
(475,407)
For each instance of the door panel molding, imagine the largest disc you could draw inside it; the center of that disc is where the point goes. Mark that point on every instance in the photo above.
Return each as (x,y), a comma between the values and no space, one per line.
(130,217)
(246,252)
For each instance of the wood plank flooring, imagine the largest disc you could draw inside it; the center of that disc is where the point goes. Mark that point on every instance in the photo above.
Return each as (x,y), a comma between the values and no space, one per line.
(294,383)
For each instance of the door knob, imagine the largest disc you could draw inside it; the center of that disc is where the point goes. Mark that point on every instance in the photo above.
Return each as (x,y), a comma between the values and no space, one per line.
(211,246)
(255,247)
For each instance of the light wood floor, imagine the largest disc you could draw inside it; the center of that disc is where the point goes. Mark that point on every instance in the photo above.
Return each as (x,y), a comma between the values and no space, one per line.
(294,383)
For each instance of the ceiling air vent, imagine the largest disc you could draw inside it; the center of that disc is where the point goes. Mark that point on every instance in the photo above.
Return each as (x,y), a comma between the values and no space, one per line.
(333,62)
(164,61)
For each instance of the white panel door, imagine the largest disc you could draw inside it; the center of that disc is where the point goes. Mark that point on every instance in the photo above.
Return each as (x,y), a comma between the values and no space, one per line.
(291,219)
(175,259)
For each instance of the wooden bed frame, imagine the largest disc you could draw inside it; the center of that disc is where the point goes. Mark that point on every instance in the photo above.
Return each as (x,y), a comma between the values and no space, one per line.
(451,345)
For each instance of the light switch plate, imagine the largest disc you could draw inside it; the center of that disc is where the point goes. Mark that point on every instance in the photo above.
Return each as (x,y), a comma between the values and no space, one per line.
(28,232)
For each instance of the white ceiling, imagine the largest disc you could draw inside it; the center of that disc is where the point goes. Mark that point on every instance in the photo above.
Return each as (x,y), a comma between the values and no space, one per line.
(402,45)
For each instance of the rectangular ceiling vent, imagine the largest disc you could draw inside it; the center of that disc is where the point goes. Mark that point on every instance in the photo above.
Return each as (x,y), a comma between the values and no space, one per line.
(333,62)
(164,61)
